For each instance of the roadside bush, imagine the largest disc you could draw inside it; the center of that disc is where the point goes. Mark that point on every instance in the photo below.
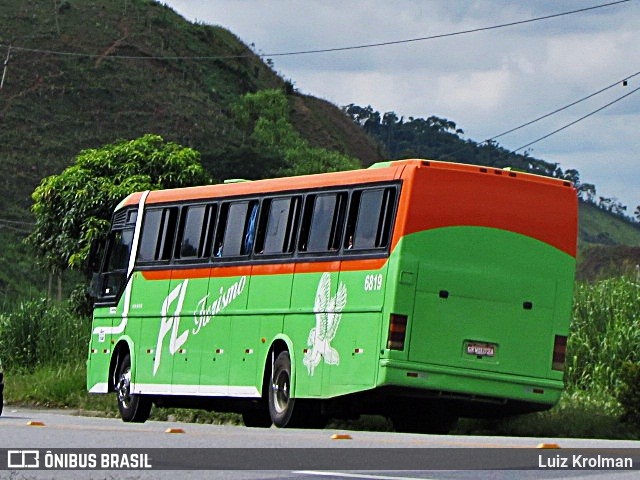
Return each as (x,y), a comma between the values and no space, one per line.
(39,332)
(605,333)
(629,394)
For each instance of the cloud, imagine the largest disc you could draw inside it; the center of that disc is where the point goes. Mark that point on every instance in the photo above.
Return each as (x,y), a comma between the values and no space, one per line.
(486,82)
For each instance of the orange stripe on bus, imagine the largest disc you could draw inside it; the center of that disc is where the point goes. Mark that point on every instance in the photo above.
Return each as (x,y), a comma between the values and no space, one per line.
(265,269)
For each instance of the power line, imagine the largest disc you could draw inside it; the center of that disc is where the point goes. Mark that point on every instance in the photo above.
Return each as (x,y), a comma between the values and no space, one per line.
(444,35)
(546,115)
(320,50)
(576,121)
(557,110)
(16,222)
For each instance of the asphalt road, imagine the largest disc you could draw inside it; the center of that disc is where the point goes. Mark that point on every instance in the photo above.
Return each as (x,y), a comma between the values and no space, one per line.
(183,450)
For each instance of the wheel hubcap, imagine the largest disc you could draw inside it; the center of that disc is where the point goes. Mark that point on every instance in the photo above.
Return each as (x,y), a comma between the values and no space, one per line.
(281,391)
(123,388)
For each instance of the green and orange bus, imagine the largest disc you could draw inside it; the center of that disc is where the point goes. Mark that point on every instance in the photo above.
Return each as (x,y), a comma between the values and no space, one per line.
(419,290)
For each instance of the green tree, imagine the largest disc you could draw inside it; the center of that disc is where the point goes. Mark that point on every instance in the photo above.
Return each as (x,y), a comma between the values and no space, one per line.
(263,117)
(74,208)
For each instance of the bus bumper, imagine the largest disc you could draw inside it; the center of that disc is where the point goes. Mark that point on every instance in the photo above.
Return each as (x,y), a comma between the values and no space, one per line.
(470,385)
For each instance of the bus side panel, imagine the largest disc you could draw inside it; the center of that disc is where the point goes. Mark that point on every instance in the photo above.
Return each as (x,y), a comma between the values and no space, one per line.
(153,362)
(223,322)
(308,376)
(215,358)
(190,331)
(357,336)
(305,324)
(270,290)
(269,299)
(100,349)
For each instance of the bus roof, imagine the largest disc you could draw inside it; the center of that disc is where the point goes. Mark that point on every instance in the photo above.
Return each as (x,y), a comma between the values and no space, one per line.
(379,172)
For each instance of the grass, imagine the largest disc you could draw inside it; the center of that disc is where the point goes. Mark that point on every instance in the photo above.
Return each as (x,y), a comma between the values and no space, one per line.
(578,415)
(62,386)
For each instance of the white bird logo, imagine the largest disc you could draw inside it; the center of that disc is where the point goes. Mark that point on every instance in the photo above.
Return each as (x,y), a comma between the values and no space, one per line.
(328,313)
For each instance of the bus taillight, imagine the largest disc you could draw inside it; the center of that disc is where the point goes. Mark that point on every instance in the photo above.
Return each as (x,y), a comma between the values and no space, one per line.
(397,331)
(559,352)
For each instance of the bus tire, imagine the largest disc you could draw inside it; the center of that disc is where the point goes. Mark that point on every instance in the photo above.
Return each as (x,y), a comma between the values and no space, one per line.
(133,408)
(281,404)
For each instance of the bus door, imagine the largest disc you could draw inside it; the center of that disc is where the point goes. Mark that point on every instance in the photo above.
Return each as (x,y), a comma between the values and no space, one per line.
(107,287)
(152,307)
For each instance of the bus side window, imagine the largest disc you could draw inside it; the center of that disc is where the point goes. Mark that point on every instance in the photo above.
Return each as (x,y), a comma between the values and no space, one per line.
(194,232)
(323,222)
(278,225)
(149,238)
(292,225)
(206,241)
(218,243)
(305,225)
(262,226)
(236,229)
(158,234)
(370,218)
(387,212)
(250,228)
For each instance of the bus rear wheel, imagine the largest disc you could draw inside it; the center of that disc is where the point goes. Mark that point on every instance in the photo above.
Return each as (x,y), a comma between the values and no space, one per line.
(281,404)
(286,411)
(133,408)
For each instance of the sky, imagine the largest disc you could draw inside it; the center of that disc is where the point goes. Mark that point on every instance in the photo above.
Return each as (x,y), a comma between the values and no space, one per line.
(486,82)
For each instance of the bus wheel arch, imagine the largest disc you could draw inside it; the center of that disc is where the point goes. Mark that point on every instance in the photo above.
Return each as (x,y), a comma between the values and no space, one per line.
(119,352)
(285,409)
(278,346)
(132,407)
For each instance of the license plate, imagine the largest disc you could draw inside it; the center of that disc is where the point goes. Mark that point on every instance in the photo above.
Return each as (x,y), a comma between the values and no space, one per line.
(481,349)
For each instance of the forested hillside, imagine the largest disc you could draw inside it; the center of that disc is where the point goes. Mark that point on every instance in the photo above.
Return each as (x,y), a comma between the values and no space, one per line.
(121,76)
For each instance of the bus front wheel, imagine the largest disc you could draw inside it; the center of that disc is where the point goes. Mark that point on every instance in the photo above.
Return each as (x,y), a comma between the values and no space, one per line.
(133,408)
